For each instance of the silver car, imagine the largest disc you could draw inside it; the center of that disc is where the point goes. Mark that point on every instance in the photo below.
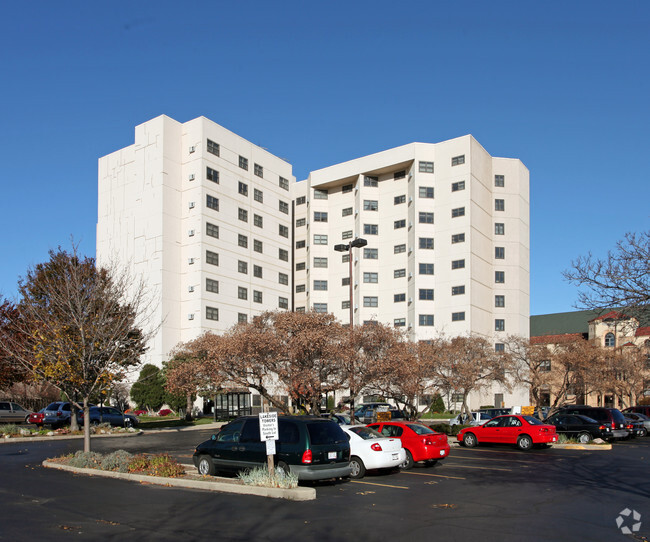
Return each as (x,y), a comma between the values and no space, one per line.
(13,413)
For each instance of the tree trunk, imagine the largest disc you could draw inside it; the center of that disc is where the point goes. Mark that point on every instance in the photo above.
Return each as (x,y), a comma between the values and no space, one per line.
(86,425)
(188,408)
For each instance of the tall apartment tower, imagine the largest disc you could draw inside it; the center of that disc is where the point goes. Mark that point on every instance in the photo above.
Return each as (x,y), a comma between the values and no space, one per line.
(203,217)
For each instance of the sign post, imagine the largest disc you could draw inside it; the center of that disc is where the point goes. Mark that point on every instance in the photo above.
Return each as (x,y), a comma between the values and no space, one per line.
(269,433)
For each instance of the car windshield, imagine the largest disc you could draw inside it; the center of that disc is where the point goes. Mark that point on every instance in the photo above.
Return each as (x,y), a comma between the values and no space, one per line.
(420,429)
(366,433)
(532,421)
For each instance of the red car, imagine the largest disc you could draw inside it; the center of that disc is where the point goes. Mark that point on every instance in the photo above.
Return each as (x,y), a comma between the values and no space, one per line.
(523,431)
(36,418)
(420,441)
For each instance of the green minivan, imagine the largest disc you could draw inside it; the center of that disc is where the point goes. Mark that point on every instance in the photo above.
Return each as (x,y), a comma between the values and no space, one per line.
(310,447)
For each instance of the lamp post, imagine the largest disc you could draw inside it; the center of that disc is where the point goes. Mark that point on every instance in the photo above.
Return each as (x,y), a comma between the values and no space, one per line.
(356,243)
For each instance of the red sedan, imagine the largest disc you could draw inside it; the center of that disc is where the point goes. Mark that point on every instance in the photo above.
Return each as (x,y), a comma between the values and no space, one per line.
(523,431)
(420,442)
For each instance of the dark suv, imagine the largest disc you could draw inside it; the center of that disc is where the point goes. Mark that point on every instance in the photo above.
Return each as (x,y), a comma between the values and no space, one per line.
(639,409)
(610,416)
(313,448)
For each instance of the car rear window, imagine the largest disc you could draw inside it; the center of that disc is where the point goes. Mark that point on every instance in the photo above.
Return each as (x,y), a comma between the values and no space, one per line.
(419,429)
(532,421)
(52,406)
(325,432)
(366,433)
(618,415)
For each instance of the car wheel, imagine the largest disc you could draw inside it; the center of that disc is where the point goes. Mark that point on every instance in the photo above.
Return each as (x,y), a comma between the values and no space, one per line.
(584,438)
(469,440)
(283,467)
(206,466)
(643,432)
(128,423)
(408,462)
(524,443)
(357,466)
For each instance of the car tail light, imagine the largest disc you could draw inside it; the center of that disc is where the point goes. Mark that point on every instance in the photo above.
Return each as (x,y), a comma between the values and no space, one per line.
(603,428)
(427,441)
(306,457)
(376,447)
(544,430)
(59,413)
(613,425)
(630,426)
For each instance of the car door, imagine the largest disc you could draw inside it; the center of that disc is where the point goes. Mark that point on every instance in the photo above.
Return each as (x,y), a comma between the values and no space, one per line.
(18,413)
(251,451)
(489,431)
(5,412)
(226,444)
(113,416)
(510,429)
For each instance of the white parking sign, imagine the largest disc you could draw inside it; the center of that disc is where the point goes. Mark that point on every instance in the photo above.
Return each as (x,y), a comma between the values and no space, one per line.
(269,426)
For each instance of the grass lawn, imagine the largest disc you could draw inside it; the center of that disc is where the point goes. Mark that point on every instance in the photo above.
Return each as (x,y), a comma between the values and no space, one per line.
(158,422)
(437,416)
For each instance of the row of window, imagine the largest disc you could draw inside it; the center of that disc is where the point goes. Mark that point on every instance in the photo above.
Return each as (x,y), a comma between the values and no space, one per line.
(212,202)
(212,313)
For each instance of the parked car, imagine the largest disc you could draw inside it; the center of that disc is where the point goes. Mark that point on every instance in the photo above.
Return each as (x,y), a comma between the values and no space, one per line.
(313,448)
(640,418)
(37,418)
(110,415)
(13,413)
(371,450)
(57,414)
(580,427)
(635,428)
(478,418)
(639,409)
(492,412)
(609,416)
(523,431)
(420,441)
(367,412)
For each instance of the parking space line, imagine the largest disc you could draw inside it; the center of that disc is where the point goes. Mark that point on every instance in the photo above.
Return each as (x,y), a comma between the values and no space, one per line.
(491,459)
(436,475)
(482,468)
(375,484)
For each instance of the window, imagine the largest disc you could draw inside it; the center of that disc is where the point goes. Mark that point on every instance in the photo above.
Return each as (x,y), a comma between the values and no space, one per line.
(460,211)
(371,278)
(301,222)
(320,216)
(399,199)
(347,188)
(425,192)
(458,160)
(399,273)
(398,249)
(500,277)
(301,244)
(258,170)
(300,288)
(301,200)
(370,181)
(320,194)
(426,319)
(499,347)
(300,266)
(283,303)
(243,163)
(370,301)
(345,258)
(426,294)
(499,180)
(283,278)
(283,206)
(458,264)
(499,324)
(460,185)
(370,229)
(347,211)
(499,300)
(399,322)
(243,188)
(242,267)
(257,271)
(399,298)
(399,174)
(425,218)
(346,234)
(370,205)
(211,313)
(425,167)
(258,221)
(370,253)
(212,230)
(283,230)
(320,262)
(243,215)
(213,148)
(301,309)
(320,307)
(426,269)
(283,183)
(212,174)
(545,366)
(211,257)
(457,316)
(499,253)
(345,304)
(258,195)
(426,243)
(320,239)
(458,238)
(212,286)
(242,317)
(399,224)
(283,254)
(257,246)
(257,296)
(345,281)
(242,241)
(499,228)
(458,290)
(242,293)
(610,340)
(499,205)
(212,203)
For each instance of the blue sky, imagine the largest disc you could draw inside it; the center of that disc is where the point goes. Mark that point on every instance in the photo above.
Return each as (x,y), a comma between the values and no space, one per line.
(563,86)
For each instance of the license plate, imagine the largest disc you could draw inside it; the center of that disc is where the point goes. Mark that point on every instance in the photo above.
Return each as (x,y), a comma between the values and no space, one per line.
(331,455)
(442,452)
(395,456)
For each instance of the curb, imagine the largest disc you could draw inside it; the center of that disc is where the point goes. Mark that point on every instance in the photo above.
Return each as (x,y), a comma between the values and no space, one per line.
(456,444)
(54,438)
(296,494)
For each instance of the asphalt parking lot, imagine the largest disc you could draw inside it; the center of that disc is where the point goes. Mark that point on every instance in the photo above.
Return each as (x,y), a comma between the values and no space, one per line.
(489,493)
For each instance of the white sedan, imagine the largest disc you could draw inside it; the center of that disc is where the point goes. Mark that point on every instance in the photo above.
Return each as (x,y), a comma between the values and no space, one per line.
(372,450)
